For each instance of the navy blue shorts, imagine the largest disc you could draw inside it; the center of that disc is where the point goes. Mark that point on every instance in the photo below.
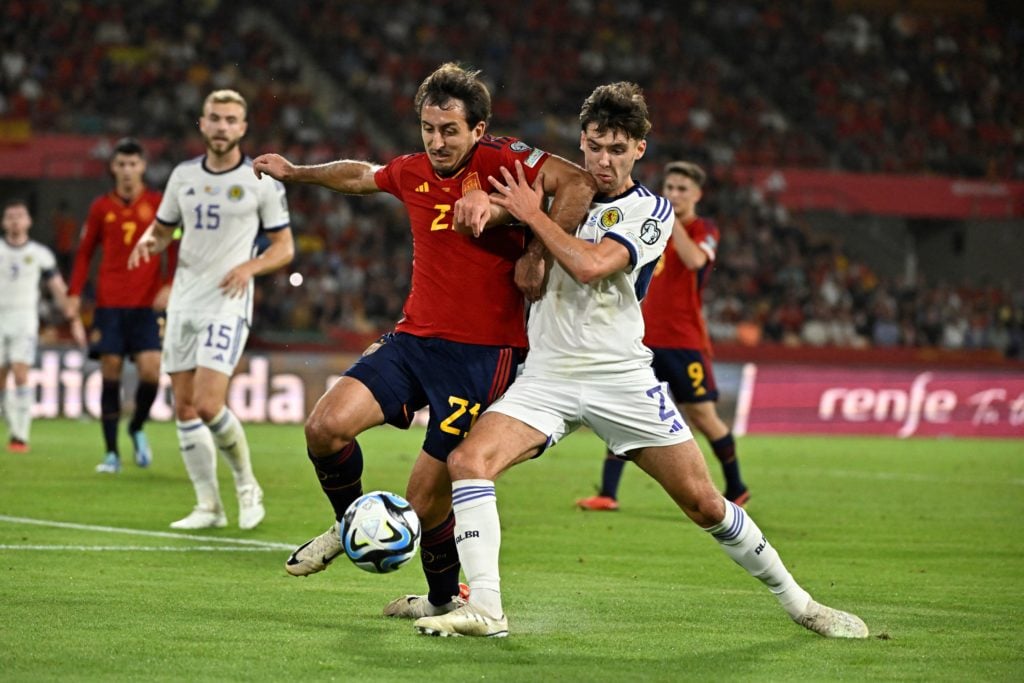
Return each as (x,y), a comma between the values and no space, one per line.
(124,331)
(458,382)
(688,374)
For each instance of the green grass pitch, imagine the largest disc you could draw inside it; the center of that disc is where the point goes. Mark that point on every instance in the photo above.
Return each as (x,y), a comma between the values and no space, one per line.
(921,538)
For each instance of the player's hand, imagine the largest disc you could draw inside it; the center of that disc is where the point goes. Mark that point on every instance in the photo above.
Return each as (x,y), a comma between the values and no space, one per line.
(274,165)
(236,283)
(531,269)
(516,195)
(163,295)
(72,307)
(78,331)
(471,213)
(143,250)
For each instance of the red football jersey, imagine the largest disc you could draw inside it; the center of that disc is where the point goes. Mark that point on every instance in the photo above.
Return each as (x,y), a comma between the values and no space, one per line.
(115,227)
(672,307)
(462,286)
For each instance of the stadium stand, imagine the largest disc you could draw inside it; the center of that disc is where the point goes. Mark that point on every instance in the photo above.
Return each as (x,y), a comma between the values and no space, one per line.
(739,83)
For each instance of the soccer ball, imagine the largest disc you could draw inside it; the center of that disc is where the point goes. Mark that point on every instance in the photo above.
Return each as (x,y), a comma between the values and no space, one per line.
(380,532)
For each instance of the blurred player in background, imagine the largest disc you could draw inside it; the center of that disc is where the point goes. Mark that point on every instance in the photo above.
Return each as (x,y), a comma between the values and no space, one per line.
(588,366)
(677,334)
(24,265)
(221,207)
(125,322)
(462,334)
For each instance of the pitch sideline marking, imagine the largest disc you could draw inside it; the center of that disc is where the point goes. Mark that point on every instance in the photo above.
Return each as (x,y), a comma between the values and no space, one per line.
(144,548)
(264,545)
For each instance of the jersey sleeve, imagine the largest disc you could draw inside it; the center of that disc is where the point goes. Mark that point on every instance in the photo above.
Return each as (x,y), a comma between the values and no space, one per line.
(645,233)
(90,237)
(169,212)
(388,176)
(273,205)
(704,234)
(47,263)
(514,150)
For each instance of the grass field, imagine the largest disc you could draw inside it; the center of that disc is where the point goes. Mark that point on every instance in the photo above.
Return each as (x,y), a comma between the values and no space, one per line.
(923,539)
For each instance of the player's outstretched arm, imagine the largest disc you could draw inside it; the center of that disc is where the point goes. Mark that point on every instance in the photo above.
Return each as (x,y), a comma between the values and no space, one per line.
(153,241)
(571,190)
(585,261)
(350,177)
(280,253)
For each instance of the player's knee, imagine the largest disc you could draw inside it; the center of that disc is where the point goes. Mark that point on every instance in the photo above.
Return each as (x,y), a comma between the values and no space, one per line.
(208,409)
(325,432)
(708,509)
(467,462)
(185,412)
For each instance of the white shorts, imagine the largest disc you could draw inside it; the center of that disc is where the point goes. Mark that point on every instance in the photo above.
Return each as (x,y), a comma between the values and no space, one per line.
(203,340)
(626,416)
(19,336)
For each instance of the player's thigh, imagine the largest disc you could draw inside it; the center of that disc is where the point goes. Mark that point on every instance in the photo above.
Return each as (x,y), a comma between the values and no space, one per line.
(209,391)
(496,443)
(346,410)
(703,416)
(681,470)
(148,364)
(111,366)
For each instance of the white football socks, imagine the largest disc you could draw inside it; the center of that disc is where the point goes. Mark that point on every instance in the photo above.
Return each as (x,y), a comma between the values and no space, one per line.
(743,541)
(19,412)
(230,439)
(200,456)
(478,539)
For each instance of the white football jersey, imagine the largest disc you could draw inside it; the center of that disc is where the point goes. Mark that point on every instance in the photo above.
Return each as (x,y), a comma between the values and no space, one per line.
(220,215)
(596,330)
(22,269)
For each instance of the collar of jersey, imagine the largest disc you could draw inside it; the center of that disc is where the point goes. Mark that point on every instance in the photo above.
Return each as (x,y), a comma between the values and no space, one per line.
(606,200)
(239,164)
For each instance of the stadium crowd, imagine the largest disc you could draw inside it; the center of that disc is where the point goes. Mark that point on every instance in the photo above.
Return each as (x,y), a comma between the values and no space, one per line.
(738,82)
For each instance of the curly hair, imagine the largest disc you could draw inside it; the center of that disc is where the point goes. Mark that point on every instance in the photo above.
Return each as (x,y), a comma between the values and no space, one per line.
(617,107)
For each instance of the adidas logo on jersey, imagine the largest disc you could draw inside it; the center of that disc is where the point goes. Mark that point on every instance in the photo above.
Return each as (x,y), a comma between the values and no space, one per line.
(425,187)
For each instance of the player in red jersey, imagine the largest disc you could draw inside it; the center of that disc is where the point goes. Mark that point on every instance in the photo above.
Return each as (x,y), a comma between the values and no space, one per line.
(678,336)
(125,322)
(463,327)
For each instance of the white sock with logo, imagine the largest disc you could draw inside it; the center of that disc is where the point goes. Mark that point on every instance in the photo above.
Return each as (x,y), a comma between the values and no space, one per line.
(200,456)
(478,539)
(230,439)
(743,541)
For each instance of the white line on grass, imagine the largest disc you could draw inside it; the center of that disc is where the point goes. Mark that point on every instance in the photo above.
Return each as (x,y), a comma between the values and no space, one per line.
(266,545)
(145,548)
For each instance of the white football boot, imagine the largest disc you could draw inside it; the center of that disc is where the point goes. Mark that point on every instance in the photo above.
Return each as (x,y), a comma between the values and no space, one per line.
(464,621)
(250,506)
(831,623)
(202,518)
(416,606)
(315,554)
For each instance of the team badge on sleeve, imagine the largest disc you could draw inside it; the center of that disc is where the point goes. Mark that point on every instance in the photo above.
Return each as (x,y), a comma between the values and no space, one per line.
(519,146)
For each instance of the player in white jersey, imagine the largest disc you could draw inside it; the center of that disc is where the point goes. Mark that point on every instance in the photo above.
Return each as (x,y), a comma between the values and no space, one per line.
(221,207)
(587,367)
(24,265)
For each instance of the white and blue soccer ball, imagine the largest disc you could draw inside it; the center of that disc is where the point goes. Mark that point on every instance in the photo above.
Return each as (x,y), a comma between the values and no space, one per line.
(380,532)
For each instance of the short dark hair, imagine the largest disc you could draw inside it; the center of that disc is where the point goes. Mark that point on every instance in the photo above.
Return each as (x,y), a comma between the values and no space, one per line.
(15,201)
(128,147)
(688,169)
(450,81)
(617,107)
